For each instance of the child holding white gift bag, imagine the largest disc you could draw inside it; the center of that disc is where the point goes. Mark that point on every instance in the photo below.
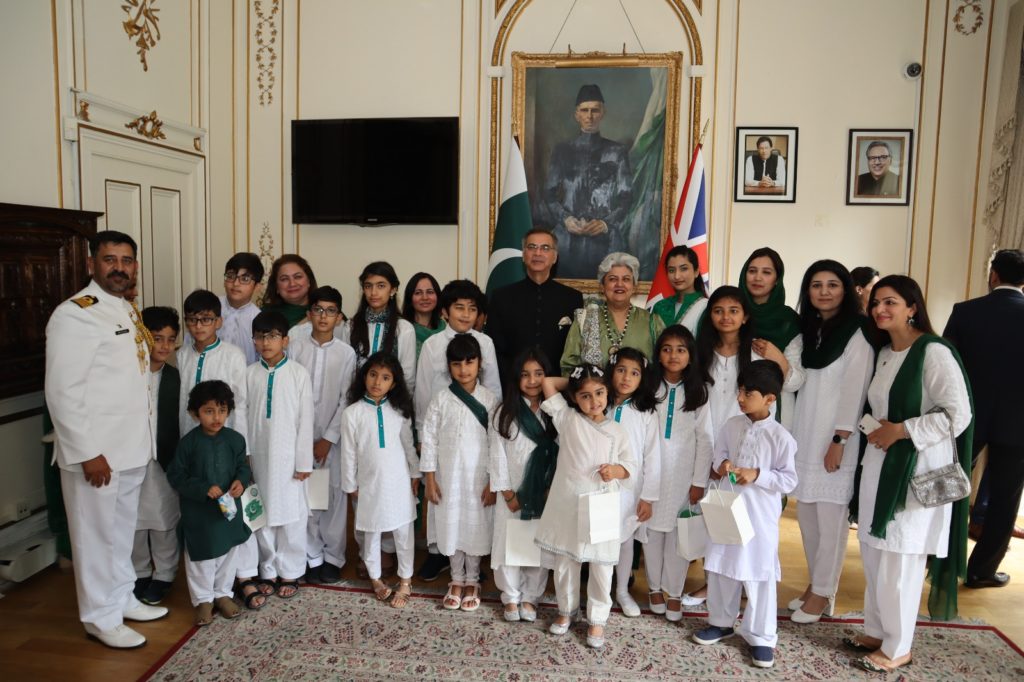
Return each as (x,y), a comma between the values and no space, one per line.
(760,453)
(594,450)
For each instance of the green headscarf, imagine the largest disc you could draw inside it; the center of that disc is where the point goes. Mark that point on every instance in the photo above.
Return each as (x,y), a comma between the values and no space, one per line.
(773,320)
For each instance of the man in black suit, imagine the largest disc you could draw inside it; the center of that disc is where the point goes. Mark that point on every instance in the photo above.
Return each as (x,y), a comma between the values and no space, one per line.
(535,311)
(989,333)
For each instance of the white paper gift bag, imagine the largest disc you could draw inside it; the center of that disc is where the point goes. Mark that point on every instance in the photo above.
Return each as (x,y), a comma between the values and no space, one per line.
(599,516)
(318,489)
(520,549)
(253,511)
(691,535)
(726,517)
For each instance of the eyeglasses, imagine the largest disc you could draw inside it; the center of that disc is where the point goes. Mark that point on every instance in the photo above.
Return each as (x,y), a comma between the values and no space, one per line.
(244,278)
(324,312)
(268,336)
(873,159)
(200,321)
(544,248)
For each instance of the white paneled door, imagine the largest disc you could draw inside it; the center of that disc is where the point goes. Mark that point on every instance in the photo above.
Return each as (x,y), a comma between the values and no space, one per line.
(157,195)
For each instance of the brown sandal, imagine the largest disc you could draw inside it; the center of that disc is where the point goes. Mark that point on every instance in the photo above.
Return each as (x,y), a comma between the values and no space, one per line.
(227,607)
(401,596)
(380,590)
(878,662)
(204,614)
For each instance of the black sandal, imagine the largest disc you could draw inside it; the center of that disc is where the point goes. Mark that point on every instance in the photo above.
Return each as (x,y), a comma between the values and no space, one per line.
(282,583)
(267,587)
(854,644)
(251,596)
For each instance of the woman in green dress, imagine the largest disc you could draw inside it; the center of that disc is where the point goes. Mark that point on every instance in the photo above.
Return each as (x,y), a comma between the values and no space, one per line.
(419,306)
(691,297)
(601,328)
(291,280)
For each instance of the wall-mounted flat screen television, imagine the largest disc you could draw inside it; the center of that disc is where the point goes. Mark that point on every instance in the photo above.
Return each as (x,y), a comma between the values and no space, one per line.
(371,171)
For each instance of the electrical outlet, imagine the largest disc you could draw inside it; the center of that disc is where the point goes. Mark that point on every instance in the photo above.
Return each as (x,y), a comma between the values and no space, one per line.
(21,510)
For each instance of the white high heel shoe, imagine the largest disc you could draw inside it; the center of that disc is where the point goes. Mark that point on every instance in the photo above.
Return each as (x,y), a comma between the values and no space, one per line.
(802,617)
(795,604)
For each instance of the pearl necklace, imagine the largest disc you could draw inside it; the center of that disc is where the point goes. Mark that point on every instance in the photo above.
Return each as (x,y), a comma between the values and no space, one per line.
(609,327)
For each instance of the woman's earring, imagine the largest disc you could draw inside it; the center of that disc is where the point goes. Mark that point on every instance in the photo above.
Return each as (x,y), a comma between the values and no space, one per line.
(911,321)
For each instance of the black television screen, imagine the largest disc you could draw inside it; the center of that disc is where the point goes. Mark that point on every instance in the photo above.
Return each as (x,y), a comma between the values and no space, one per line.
(375,170)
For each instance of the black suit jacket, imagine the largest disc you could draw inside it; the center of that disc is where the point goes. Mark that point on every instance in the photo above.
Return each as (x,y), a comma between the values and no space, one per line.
(989,334)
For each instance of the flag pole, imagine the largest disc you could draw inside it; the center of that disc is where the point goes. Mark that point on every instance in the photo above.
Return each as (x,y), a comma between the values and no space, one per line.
(700,141)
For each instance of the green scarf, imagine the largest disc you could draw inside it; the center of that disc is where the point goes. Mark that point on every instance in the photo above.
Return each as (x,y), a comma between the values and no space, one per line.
(292,312)
(773,320)
(898,468)
(666,307)
(540,468)
(474,405)
(833,345)
(423,333)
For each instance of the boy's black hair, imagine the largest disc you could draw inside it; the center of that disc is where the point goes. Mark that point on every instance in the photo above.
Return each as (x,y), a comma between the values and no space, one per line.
(458,289)
(462,347)
(201,301)
(763,376)
(157,317)
(326,293)
(643,397)
(111,237)
(398,396)
(695,391)
(248,261)
(211,391)
(269,321)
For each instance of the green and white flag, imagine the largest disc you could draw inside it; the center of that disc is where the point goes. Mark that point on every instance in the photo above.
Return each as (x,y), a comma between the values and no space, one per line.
(514,221)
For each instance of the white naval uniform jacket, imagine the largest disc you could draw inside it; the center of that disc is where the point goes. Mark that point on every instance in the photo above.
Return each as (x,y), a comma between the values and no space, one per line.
(97,394)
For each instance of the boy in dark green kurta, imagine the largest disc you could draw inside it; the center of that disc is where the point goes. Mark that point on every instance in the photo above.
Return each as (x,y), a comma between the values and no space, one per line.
(210,472)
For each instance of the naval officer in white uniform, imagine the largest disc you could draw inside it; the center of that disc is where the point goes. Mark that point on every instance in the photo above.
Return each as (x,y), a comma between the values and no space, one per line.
(97,389)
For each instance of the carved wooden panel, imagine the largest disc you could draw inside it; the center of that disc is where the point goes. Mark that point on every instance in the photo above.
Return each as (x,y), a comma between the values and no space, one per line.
(42,262)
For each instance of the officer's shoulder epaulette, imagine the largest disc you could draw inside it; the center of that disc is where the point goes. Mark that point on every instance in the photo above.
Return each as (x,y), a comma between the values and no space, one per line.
(85,301)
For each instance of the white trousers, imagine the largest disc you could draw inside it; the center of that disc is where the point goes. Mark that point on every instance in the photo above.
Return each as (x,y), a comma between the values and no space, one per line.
(247,558)
(387,543)
(465,568)
(624,569)
(824,527)
(666,570)
(521,583)
(211,578)
(101,522)
(759,626)
(282,550)
(327,532)
(155,554)
(892,595)
(599,587)
(405,546)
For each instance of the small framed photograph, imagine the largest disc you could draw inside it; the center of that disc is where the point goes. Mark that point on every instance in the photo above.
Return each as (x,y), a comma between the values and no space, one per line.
(766,164)
(879,167)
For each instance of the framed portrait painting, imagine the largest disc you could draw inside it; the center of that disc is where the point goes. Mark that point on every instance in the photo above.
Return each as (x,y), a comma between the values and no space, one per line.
(766,164)
(879,168)
(598,134)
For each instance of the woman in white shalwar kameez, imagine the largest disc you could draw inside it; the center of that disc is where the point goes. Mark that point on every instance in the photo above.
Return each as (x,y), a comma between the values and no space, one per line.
(838,363)
(594,451)
(632,406)
(895,550)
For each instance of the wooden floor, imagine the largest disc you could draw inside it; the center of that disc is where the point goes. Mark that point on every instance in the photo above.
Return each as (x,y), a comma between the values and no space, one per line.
(41,638)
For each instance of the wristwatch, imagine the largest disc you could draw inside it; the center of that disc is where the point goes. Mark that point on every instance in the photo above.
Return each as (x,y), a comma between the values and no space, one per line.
(839,440)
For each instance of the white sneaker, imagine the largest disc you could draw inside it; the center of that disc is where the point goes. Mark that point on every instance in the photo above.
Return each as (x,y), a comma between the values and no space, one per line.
(145,612)
(690,600)
(630,609)
(121,637)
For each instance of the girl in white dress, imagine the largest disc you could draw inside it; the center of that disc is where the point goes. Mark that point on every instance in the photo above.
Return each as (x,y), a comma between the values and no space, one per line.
(724,346)
(919,395)
(378,464)
(454,459)
(838,363)
(594,451)
(682,266)
(632,406)
(684,432)
(522,464)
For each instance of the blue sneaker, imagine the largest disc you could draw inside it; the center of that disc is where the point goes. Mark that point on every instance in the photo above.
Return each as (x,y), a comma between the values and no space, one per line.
(762,656)
(712,634)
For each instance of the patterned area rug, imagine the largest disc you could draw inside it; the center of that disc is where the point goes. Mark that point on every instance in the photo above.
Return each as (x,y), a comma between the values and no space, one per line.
(343,633)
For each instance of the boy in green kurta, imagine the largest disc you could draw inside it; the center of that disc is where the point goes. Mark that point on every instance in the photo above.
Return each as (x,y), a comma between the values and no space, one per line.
(210,472)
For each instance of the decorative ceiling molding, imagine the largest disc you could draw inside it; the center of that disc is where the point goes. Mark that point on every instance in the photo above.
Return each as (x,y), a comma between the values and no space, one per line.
(266,55)
(969,17)
(142,26)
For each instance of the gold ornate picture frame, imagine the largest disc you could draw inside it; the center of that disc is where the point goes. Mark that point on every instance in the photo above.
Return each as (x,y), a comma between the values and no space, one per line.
(607,184)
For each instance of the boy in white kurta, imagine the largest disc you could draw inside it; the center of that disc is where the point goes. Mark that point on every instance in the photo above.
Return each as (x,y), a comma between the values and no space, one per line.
(453,459)
(331,364)
(378,463)
(760,453)
(281,443)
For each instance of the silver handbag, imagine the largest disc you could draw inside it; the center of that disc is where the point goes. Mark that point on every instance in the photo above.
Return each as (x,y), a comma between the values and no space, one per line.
(946,484)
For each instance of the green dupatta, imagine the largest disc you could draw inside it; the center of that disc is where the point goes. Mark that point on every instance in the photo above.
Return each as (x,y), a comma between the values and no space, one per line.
(898,468)
(474,405)
(831,348)
(773,320)
(666,307)
(540,467)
